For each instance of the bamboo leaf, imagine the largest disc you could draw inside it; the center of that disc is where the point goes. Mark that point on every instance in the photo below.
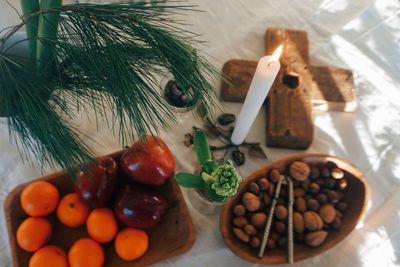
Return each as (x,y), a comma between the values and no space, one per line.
(201,146)
(30,7)
(190,180)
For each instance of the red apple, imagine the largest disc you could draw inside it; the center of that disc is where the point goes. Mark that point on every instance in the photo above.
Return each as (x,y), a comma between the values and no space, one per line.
(96,183)
(149,161)
(139,207)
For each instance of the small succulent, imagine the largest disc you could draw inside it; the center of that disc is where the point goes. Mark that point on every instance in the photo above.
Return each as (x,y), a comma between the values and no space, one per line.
(220,181)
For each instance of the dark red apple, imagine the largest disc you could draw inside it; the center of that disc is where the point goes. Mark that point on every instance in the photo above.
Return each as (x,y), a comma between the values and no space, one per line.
(149,162)
(139,207)
(96,183)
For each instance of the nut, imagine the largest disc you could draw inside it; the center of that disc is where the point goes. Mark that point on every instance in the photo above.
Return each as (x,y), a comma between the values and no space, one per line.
(298,192)
(339,214)
(325,173)
(271,243)
(274,236)
(305,184)
(250,229)
(282,242)
(320,182)
(274,176)
(314,173)
(280,227)
(300,204)
(253,188)
(298,222)
(281,212)
(315,239)
(312,221)
(239,233)
(321,198)
(299,171)
(271,189)
(313,188)
(341,206)
(240,221)
(263,184)
(251,201)
(330,183)
(337,173)
(239,210)
(267,199)
(281,201)
(259,219)
(337,223)
(312,204)
(255,242)
(327,213)
(333,196)
(341,184)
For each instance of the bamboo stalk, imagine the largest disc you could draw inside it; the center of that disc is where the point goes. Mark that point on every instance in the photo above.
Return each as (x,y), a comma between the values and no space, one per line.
(28,8)
(47,33)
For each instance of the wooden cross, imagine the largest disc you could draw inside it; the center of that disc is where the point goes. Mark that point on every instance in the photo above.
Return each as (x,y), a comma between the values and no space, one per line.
(298,89)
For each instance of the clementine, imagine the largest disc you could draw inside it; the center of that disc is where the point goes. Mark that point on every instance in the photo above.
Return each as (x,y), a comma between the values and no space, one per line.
(86,253)
(102,225)
(72,211)
(33,233)
(49,256)
(131,243)
(39,198)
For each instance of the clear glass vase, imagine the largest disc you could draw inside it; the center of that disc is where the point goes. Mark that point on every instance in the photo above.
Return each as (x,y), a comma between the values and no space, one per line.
(198,198)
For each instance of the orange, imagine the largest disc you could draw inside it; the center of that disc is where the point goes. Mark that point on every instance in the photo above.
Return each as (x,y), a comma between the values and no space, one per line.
(33,233)
(102,225)
(49,256)
(39,198)
(72,211)
(131,243)
(86,253)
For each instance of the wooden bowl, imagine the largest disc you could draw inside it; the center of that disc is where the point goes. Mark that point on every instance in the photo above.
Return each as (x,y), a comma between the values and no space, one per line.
(356,196)
(174,235)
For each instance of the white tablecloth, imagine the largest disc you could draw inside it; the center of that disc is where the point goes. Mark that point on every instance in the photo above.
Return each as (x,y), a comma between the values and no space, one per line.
(362,35)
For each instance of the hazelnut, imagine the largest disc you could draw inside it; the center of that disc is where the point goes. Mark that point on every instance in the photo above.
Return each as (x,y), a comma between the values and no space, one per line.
(280,227)
(315,239)
(298,192)
(300,204)
(337,173)
(313,188)
(259,219)
(239,210)
(312,221)
(281,212)
(255,242)
(333,196)
(327,213)
(267,199)
(274,176)
(341,206)
(312,204)
(298,222)
(239,233)
(240,221)
(314,173)
(263,184)
(299,171)
(250,229)
(251,201)
(321,198)
(253,188)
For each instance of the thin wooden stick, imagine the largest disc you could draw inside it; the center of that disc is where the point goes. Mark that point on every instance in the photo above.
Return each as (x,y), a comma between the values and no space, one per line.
(270,216)
(290,221)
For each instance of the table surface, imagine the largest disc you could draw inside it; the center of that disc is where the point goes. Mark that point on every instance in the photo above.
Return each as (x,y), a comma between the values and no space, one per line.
(362,35)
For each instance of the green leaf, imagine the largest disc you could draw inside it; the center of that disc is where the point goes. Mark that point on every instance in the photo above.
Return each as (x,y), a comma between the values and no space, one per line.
(214,196)
(209,166)
(30,7)
(201,146)
(190,180)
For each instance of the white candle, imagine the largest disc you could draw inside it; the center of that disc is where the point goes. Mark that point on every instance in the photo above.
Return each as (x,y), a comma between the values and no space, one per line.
(267,69)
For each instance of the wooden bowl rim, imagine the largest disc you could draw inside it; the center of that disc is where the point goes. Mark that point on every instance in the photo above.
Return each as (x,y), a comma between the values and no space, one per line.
(225,231)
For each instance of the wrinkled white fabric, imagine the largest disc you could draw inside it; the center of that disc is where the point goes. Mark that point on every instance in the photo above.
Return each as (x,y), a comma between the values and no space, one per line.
(362,35)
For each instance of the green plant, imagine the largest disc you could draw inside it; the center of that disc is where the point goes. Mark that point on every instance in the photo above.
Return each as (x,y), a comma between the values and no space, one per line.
(103,56)
(220,181)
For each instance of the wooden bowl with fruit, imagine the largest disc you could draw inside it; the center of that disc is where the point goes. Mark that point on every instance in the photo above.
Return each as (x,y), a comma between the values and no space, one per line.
(330,198)
(122,210)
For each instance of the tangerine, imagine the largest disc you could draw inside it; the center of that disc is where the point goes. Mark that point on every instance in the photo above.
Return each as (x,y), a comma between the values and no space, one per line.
(102,225)
(131,243)
(72,211)
(39,198)
(86,253)
(33,233)
(49,256)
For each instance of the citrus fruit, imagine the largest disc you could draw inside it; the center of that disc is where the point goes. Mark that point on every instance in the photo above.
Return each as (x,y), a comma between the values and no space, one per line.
(131,243)
(86,253)
(72,211)
(39,198)
(102,225)
(49,256)
(33,233)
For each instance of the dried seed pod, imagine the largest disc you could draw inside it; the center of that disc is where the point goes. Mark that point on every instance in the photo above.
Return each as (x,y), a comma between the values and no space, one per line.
(251,201)
(238,157)
(239,233)
(314,173)
(250,229)
(312,204)
(299,171)
(253,188)
(226,118)
(300,204)
(259,219)
(313,188)
(274,176)
(281,212)
(239,210)
(188,141)
(240,221)
(325,173)
(255,242)
(263,184)
(337,173)
(341,206)
(280,227)
(321,198)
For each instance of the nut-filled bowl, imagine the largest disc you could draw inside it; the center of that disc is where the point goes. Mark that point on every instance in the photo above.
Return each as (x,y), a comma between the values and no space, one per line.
(355,196)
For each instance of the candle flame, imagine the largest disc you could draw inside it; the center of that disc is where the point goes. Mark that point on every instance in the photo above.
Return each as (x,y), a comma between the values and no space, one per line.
(277,53)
